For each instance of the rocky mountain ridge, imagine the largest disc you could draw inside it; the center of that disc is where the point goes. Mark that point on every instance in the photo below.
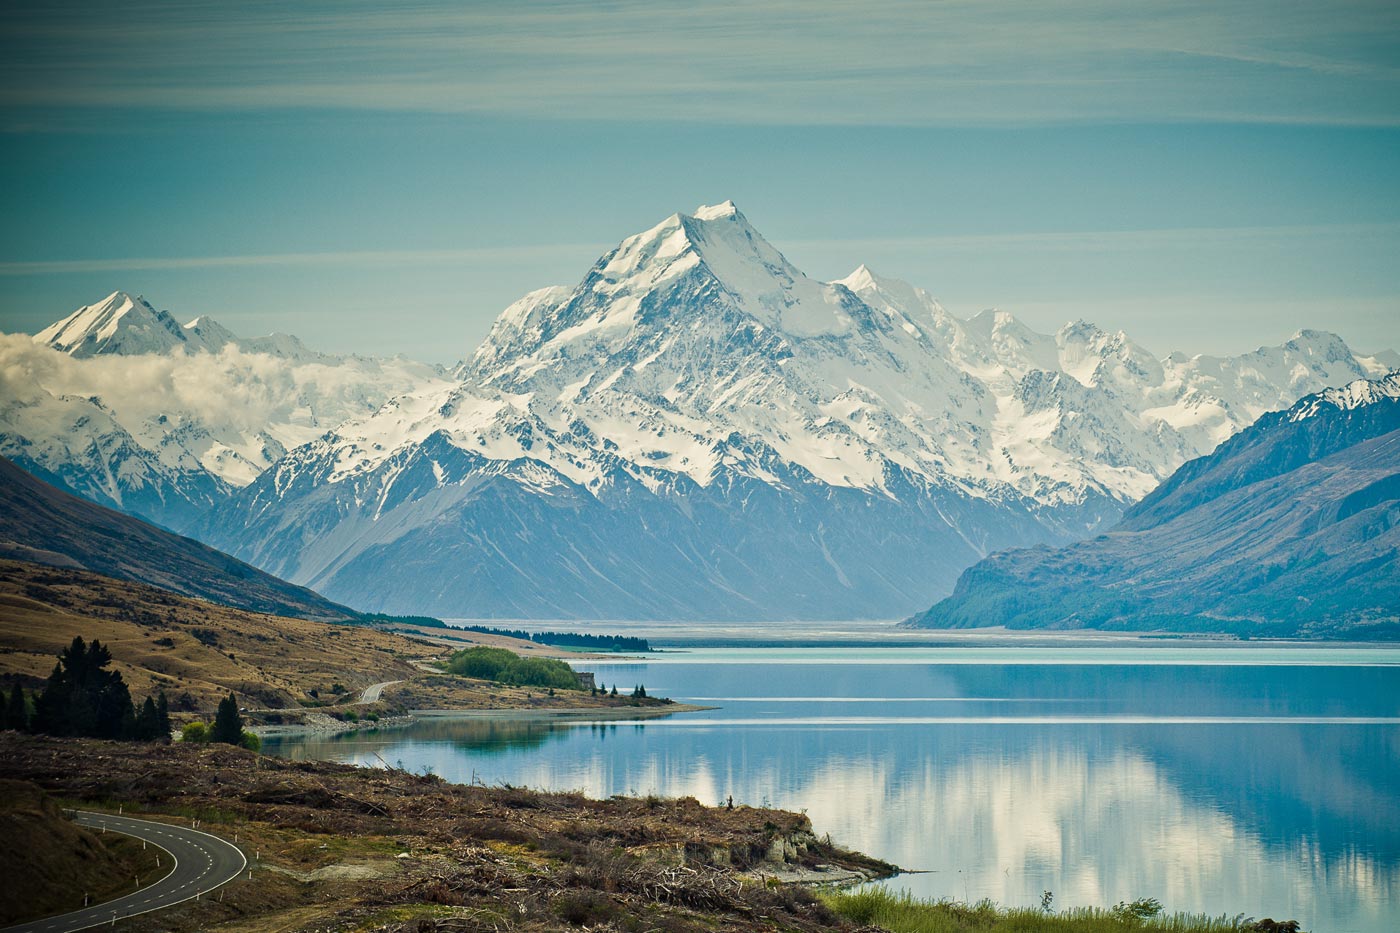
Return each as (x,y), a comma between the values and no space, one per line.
(1290,527)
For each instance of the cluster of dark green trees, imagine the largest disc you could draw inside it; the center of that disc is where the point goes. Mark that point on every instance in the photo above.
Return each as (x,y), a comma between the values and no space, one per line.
(227,727)
(639,692)
(83,698)
(568,639)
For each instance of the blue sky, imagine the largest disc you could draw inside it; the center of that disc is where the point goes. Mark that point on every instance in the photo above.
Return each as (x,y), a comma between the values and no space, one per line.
(1206,176)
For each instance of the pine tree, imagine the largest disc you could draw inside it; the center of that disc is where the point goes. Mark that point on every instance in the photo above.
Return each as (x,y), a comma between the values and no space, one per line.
(228,724)
(17,709)
(162,719)
(82,697)
(146,724)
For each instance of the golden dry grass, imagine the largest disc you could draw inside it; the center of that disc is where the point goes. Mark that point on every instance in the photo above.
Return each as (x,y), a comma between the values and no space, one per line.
(198,652)
(161,641)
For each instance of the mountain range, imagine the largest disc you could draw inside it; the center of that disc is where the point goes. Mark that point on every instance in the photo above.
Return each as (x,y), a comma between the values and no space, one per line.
(122,405)
(696,430)
(1291,527)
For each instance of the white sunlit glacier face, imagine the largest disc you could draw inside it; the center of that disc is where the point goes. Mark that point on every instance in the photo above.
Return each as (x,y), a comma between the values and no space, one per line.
(1219,780)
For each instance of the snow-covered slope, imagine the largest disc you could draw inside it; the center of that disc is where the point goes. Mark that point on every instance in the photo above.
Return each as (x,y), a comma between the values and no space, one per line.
(699,430)
(124,406)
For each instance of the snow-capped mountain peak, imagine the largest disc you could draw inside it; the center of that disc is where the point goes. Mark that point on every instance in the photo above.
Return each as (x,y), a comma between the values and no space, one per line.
(119,323)
(206,333)
(1344,398)
(129,408)
(894,296)
(718,246)
(724,209)
(696,348)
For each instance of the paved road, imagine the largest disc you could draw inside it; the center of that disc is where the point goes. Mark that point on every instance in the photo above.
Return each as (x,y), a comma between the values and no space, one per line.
(202,863)
(372,692)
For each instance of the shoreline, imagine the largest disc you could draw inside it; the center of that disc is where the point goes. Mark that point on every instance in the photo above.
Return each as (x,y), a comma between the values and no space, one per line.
(580,713)
(327,725)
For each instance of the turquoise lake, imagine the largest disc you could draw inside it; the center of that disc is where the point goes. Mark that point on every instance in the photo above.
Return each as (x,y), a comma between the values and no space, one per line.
(1262,780)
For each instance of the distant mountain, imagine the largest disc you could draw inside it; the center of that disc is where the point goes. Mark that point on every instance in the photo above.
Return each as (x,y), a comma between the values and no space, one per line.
(45,525)
(697,430)
(1290,527)
(121,404)
(122,325)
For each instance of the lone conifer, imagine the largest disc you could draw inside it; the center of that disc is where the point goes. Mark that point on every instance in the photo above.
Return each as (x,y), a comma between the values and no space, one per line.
(228,724)
(17,710)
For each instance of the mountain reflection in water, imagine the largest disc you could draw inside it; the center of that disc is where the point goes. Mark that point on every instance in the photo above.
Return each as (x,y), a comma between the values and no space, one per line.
(1229,782)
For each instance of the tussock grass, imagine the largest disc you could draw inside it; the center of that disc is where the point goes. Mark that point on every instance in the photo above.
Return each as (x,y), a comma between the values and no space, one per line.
(903,913)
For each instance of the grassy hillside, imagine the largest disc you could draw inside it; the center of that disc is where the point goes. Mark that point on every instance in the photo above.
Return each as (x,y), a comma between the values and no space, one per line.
(43,524)
(195,651)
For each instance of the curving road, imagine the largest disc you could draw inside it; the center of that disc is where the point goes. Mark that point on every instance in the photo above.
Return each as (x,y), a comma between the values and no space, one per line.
(202,863)
(372,692)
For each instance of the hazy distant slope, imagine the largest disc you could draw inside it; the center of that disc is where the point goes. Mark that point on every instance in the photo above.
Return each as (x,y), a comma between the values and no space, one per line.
(46,525)
(1292,526)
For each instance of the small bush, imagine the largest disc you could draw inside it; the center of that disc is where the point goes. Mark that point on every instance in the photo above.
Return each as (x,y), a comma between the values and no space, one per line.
(1144,908)
(195,732)
(586,908)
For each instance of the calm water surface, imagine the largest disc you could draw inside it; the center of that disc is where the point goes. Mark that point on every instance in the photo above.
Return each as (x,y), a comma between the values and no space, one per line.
(1218,780)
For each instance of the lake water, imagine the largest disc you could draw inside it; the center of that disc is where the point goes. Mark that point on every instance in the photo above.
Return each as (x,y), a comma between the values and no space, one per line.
(1218,780)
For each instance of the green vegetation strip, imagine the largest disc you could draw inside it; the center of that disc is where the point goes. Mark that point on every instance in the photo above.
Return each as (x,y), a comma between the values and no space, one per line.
(903,913)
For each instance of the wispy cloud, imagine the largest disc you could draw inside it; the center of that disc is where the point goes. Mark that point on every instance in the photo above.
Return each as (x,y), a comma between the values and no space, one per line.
(1079,240)
(343,258)
(1108,240)
(890,62)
